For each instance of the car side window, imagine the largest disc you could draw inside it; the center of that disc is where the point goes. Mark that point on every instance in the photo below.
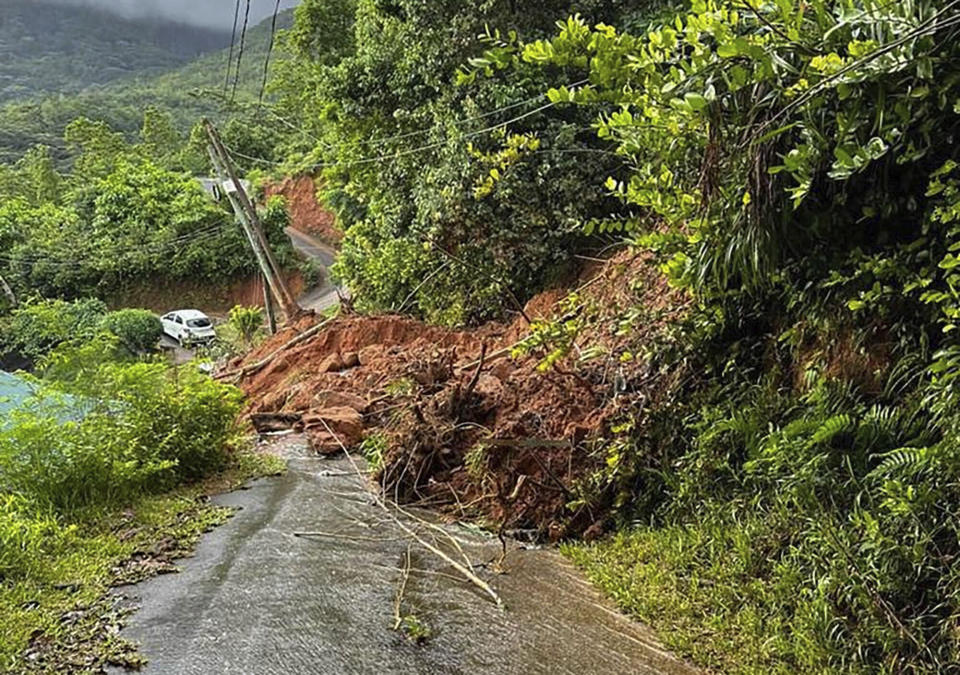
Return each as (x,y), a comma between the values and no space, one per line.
(178,319)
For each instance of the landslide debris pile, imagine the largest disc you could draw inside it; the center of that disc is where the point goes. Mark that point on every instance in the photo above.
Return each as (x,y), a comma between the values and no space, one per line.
(456,420)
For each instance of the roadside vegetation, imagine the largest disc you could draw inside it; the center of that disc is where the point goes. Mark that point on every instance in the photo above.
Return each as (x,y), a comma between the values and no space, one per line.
(435,238)
(795,474)
(788,490)
(127,215)
(92,466)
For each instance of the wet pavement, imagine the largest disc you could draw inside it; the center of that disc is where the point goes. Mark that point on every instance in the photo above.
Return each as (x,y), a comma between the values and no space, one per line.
(326,295)
(258,599)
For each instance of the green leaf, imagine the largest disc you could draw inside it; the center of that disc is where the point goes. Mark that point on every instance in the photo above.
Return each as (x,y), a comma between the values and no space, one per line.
(697,102)
(728,50)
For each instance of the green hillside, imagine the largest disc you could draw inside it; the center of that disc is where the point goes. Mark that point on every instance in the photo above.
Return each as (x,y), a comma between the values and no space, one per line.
(47,48)
(188,92)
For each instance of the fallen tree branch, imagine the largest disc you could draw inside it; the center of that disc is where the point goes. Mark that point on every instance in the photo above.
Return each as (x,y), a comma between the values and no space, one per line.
(525,443)
(465,569)
(336,535)
(398,600)
(260,365)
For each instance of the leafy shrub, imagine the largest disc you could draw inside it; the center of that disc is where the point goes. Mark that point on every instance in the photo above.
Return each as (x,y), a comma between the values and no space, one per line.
(246,321)
(453,229)
(38,326)
(138,330)
(797,481)
(26,538)
(142,427)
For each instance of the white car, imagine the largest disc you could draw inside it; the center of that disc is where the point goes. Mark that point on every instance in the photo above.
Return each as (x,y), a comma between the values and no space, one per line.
(188,327)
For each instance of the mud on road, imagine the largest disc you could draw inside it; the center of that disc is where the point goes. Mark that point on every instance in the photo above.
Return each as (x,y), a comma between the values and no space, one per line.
(455,419)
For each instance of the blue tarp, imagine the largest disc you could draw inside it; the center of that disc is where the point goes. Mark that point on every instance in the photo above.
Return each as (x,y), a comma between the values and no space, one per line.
(16,393)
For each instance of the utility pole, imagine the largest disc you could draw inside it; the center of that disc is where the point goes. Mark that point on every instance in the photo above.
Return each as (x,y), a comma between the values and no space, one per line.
(5,287)
(250,221)
(268,305)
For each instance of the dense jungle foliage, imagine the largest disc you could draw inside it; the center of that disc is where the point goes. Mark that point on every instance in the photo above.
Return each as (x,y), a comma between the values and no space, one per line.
(405,152)
(48,47)
(187,92)
(126,214)
(791,487)
(794,165)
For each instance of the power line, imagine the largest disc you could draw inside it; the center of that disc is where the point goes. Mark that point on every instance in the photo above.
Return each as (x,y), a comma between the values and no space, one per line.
(203,235)
(266,61)
(233,41)
(430,146)
(243,41)
(456,123)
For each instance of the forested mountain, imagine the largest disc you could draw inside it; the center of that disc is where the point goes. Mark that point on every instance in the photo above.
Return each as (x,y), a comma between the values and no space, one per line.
(188,92)
(47,48)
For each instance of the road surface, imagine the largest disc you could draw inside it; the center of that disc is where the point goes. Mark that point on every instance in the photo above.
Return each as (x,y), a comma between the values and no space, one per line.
(257,598)
(325,296)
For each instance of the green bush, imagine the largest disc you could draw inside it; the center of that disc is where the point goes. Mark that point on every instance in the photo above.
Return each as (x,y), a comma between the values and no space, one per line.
(138,330)
(142,427)
(26,538)
(796,472)
(246,321)
(38,326)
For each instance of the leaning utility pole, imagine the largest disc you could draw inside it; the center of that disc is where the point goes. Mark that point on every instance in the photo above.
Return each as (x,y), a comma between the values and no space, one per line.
(250,222)
(268,306)
(5,287)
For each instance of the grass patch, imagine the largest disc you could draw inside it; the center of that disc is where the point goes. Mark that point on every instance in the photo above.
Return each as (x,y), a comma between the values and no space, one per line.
(61,616)
(700,600)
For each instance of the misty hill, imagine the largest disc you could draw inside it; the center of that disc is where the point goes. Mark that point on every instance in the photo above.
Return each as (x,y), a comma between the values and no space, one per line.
(189,92)
(55,48)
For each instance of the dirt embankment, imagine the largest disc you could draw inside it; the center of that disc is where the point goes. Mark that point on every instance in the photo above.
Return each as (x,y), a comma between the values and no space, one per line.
(215,299)
(307,215)
(458,422)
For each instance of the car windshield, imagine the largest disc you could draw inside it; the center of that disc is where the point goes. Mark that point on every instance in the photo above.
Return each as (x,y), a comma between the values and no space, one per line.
(199,323)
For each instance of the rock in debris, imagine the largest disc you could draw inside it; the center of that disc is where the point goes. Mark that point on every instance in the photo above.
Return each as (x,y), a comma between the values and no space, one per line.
(346,424)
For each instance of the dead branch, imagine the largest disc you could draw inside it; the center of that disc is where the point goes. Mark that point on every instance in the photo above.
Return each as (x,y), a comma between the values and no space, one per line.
(465,569)
(336,535)
(260,365)
(398,600)
(476,374)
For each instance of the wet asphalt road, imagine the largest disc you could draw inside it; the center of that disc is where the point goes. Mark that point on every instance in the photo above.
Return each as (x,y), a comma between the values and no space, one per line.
(325,296)
(257,599)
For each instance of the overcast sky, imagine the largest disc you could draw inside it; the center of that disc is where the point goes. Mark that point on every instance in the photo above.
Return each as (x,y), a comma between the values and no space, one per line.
(211,13)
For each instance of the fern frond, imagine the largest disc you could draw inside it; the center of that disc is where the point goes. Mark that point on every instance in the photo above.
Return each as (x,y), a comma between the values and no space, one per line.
(832,427)
(905,461)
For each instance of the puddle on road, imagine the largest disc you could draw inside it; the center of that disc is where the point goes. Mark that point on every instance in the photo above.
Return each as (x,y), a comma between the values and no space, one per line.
(258,599)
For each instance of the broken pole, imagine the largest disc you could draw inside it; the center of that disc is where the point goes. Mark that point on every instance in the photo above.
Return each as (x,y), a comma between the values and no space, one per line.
(268,306)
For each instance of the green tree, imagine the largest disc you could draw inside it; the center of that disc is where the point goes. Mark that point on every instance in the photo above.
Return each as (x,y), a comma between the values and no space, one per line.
(406,149)
(138,330)
(39,176)
(97,146)
(159,138)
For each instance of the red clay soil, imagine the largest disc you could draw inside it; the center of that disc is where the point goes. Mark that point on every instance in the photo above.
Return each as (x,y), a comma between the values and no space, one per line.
(306,214)
(462,425)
